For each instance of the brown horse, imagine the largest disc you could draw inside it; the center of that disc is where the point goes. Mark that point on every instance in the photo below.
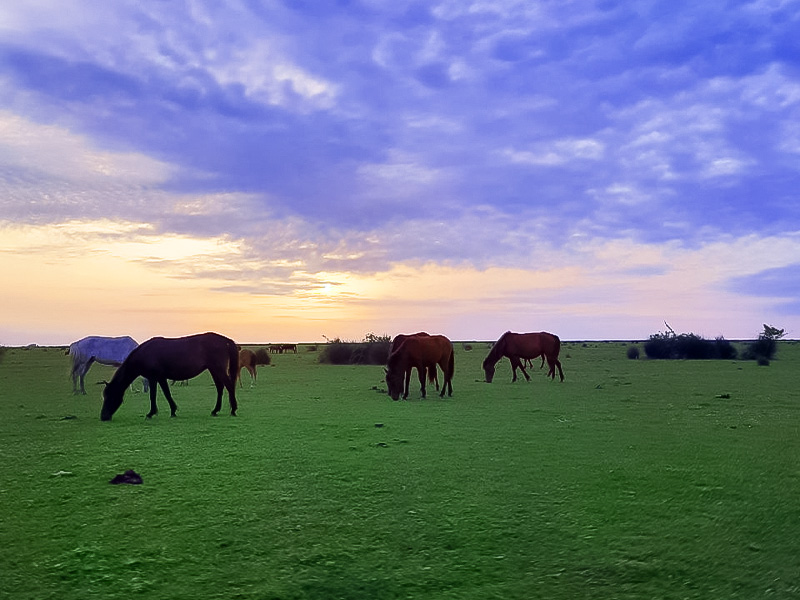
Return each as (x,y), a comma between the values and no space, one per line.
(420,352)
(159,359)
(247,360)
(433,374)
(520,346)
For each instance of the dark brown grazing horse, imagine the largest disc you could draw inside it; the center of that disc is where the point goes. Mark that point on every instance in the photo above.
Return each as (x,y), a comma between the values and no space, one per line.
(247,360)
(159,359)
(520,346)
(420,352)
(433,374)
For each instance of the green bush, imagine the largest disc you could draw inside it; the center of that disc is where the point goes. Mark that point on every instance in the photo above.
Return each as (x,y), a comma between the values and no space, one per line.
(374,350)
(263,357)
(689,346)
(725,350)
(764,348)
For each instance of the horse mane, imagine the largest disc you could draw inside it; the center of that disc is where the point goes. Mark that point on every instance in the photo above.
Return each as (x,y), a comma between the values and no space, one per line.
(496,352)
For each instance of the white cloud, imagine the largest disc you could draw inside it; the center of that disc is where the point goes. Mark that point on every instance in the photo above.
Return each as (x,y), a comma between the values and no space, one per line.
(57,152)
(270,77)
(557,152)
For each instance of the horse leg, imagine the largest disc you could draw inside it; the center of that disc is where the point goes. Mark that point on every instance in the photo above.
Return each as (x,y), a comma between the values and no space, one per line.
(515,363)
(167,394)
(78,374)
(422,372)
(560,370)
(223,382)
(153,407)
(74,380)
(231,387)
(407,381)
(218,405)
(524,372)
(447,385)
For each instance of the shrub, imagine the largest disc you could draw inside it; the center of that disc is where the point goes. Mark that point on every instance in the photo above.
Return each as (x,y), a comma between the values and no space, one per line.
(660,345)
(725,350)
(690,346)
(762,348)
(633,352)
(694,347)
(374,350)
(263,357)
(765,346)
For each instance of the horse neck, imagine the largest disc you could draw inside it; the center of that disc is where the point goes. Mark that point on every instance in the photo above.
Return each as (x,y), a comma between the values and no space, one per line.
(124,376)
(496,353)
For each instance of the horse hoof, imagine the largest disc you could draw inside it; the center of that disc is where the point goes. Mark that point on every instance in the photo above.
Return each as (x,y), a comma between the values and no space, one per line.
(213,413)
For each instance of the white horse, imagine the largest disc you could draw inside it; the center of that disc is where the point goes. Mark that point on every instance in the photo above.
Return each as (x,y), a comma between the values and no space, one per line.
(104,350)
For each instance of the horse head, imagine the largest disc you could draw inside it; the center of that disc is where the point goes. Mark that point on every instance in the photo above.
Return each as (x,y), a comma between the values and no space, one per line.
(394,383)
(112,399)
(488,369)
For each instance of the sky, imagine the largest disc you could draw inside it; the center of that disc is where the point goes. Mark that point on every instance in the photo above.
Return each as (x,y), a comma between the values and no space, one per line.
(295,170)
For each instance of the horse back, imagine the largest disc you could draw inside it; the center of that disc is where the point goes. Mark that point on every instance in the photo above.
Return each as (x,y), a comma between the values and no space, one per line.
(106,350)
(531,345)
(421,349)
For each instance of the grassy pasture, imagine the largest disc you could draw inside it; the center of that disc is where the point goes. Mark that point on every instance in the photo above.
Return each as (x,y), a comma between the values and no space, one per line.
(631,479)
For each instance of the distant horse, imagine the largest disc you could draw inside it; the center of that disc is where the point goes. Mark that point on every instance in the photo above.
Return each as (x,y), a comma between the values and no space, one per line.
(159,359)
(433,374)
(420,352)
(520,346)
(110,351)
(247,360)
(528,363)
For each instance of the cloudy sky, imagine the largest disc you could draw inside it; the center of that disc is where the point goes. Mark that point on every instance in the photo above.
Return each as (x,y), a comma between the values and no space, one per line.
(284,170)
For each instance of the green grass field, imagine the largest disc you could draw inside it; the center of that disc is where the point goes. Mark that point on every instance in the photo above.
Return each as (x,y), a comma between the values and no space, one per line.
(631,479)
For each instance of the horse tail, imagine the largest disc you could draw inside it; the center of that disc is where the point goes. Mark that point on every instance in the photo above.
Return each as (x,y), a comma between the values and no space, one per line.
(556,364)
(451,365)
(432,374)
(451,369)
(233,362)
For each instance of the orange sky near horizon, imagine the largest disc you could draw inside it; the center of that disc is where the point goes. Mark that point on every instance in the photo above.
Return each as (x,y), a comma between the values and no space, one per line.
(103,278)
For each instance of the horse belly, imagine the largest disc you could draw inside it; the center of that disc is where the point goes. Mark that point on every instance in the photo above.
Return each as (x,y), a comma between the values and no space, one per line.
(183,372)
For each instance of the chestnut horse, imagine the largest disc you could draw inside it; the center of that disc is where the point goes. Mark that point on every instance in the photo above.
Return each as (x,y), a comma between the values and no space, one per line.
(159,359)
(520,346)
(433,374)
(420,352)
(247,360)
